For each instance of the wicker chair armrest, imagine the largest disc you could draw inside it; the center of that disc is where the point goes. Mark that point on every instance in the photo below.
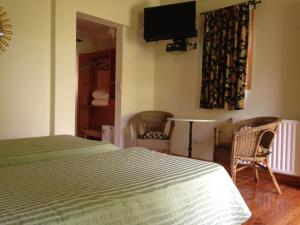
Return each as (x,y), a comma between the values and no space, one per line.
(251,142)
(272,126)
(133,130)
(172,124)
(224,134)
(245,132)
(245,143)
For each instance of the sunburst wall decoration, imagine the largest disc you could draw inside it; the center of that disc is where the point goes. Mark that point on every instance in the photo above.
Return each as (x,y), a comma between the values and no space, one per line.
(5,30)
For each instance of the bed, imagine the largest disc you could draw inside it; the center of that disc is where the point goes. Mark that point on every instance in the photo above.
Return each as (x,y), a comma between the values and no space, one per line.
(68,180)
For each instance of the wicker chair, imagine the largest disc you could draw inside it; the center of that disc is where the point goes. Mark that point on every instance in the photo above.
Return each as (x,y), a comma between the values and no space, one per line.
(246,144)
(147,122)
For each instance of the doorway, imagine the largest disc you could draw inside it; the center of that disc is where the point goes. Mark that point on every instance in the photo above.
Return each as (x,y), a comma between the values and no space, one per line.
(97,110)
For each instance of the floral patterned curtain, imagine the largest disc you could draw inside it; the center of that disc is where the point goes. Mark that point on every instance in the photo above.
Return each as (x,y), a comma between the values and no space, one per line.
(225,58)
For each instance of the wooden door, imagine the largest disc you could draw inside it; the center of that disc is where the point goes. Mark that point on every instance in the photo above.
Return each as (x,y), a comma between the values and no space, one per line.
(96,72)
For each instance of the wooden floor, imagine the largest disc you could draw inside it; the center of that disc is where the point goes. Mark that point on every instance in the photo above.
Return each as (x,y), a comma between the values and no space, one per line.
(267,207)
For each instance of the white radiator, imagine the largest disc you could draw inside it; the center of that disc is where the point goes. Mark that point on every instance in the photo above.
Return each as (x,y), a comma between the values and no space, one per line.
(285,157)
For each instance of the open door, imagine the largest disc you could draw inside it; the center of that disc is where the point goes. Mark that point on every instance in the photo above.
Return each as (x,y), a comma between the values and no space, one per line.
(95,118)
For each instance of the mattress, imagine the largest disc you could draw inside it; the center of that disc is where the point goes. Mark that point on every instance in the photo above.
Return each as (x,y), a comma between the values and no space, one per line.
(27,150)
(133,186)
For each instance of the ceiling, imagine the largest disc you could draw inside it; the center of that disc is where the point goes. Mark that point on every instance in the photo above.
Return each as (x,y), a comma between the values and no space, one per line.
(94,30)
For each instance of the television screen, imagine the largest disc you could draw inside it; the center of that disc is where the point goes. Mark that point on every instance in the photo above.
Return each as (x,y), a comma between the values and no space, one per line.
(176,21)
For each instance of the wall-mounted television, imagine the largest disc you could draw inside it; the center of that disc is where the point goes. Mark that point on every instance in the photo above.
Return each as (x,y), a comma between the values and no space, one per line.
(175,21)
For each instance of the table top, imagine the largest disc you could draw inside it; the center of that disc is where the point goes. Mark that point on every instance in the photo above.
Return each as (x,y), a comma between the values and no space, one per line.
(190,120)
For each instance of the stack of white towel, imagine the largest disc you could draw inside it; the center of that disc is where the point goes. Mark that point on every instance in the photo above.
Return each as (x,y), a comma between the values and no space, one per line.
(100,98)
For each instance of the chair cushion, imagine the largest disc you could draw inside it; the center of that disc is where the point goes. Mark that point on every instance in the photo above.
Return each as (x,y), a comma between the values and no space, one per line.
(263,151)
(154,135)
(245,128)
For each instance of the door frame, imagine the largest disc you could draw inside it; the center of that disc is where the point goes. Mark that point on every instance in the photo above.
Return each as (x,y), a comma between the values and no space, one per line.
(118,68)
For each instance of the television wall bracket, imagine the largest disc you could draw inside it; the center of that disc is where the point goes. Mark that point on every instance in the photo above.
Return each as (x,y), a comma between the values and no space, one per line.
(180,45)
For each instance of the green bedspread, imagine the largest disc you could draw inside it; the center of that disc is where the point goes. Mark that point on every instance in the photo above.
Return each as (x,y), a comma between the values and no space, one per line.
(132,186)
(27,150)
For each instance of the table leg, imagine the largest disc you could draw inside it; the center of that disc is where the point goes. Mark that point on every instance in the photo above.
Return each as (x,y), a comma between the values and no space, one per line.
(190,139)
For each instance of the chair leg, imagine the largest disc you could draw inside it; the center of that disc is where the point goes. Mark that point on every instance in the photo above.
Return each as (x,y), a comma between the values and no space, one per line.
(273,177)
(233,172)
(256,173)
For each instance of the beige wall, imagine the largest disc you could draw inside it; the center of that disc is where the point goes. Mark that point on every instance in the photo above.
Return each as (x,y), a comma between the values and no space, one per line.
(275,80)
(136,56)
(25,71)
(38,71)
(138,78)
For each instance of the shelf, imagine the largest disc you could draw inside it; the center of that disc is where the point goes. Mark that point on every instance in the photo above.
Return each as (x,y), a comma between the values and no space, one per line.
(111,103)
(93,132)
(92,69)
(96,72)
(94,106)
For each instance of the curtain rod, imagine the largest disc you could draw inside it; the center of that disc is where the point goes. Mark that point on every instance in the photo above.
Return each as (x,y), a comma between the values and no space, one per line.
(251,2)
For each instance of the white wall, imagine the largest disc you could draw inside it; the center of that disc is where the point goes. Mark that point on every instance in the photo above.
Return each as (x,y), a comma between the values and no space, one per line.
(275,75)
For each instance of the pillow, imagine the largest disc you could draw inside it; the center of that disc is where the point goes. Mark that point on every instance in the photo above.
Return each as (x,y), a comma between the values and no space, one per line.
(154,135)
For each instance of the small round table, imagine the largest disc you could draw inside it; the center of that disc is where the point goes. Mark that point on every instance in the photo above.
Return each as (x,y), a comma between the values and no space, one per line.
(191,121)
